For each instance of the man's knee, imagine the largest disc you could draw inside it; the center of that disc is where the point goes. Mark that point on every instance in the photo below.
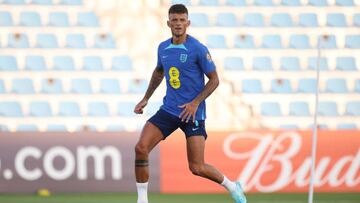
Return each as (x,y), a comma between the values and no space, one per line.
(197,169)
(141,150)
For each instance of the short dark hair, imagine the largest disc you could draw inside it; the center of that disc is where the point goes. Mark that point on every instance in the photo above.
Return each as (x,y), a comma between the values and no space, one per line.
(178,8)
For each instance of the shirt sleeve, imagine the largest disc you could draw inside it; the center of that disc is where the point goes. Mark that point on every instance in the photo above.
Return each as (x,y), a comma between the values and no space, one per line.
(158,64)
(205,61)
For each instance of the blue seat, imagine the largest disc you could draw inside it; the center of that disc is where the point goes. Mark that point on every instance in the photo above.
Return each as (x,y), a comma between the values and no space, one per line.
(299,109)
(233,64)
(290,2)
(244,42)
(318,3)
(216,41)
(15,2)
(6,18)
(289,63)
(35,63)
(75,41)
(226,20)
(357,86)
(110,86)
(308,20)
(10,109)
(319,126)
(137,86)
(281,20)
(71,2)
(323,64)
(26,128)
(336,20)
(2,87)
(345,2)
(185,2)
(8,63)
(271,42)
(81,86)
(126,108)
(199,20)
(152,108)
(282,86)
(356,20)
(87,19)
(18,40)
(353,108)
(4,128)
(22,86)
(346,64)
(99,109)
(104,41)
(254,20)
(299,42)
(115,128)
(336,85)
(235,2)
(69,109)
(121,63)
(327,109)
(59,19)
(270,109)
(208,3)
(93,63)
(352,41)
(63,63)
(47,41)
(307,85)
(251,86)
(40,109)
(51,86)
(42,2)
(262,63)
(56,128)
(263,2)
(30,19)
(346,126)
(328,42)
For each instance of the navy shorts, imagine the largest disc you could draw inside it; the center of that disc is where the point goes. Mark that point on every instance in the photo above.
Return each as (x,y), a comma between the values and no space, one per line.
(168,123)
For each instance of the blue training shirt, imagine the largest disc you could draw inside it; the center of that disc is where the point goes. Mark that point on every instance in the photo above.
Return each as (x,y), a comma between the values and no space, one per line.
(184,67)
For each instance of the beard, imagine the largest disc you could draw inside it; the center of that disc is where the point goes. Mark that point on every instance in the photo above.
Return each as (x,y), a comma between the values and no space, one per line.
(178,33)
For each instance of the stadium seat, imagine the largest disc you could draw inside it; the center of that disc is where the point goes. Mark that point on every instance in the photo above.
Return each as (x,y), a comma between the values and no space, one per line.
(299,42)
(110,86)
(289,126)
(290,2)
(336,20)
(345,2)
(8,63)
(233,64)
(356,20)
(262,63)
(299,109)
(185,2)
(59,19)
(47,41)
(92,63)
(121,63)
(263,2)
(346,64)
(10,109)
(251,86)
(307,85)
(71,2)
(137,86)
(226,20)
(357,86)
(87,19)
(31,19)
(199,20)
(42,2)
(35,63)
(346,126)
(152,108)
(327,109)
(281,20)
(69,109)
(56,128)
(86,128)
(329,42)
(235,2)
(208,3)
(271,42)
(319,126)
(353,108)
(51,86)
(336,85)
(81,86)
(6,18)
(105,41)
(65,63)
(308,20)
(216,41)
(40,109)
(323,64)
(98,109)
(14,2)
(289,63)
(115,128)
(76,41)
(22,86)
(254,20)
(244,42)
(352,41)
(4,128)
(18,40)
(26,128)
(318,2)
(270,109)
(282,86)
(126,109)
(2,87)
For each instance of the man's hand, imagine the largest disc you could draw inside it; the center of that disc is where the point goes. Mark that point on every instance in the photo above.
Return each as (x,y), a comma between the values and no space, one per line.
(140,106)
(189,111)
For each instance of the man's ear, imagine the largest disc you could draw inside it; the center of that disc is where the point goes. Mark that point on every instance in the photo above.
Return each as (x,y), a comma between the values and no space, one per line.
(189,22)
(168,23)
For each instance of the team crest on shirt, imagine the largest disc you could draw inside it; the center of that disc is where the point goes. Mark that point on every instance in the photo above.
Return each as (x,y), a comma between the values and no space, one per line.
(183,58)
